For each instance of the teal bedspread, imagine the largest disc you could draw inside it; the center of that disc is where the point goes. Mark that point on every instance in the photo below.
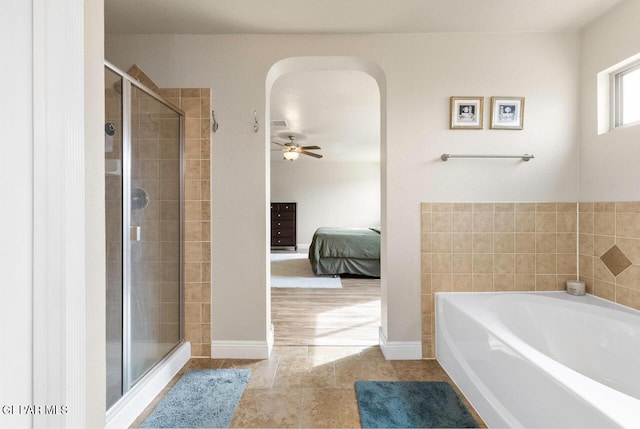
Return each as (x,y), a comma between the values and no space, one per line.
(346,251)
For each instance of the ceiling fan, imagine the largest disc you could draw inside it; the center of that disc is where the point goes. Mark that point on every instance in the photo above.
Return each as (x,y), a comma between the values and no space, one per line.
(292,150)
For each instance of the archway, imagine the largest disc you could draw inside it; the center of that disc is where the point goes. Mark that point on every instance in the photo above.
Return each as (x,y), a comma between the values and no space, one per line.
(302,64)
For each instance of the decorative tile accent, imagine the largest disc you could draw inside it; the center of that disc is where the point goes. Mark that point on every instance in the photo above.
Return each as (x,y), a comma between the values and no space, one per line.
(615,260)
(601,226)
(529,247)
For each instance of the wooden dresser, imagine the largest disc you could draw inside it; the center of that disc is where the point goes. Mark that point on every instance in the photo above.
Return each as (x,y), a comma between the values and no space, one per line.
(283,225)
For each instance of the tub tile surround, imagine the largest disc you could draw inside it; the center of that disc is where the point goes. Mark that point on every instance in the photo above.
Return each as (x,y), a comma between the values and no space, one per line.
(482,247)
(609,250)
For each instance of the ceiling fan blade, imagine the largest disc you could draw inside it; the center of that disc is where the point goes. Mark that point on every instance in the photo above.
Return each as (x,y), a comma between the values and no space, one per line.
(315,155)
(279,144)
(310,147)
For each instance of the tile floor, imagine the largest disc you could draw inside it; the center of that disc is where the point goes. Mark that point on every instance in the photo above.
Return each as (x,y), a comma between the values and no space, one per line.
(312,386)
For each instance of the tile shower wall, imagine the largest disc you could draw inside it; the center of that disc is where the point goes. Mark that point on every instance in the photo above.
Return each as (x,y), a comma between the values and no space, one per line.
(195,102)
(155,257)
(609,250)
(483,247)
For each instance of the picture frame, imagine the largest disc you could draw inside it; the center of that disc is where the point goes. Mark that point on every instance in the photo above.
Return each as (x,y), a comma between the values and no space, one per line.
(467,113)
(507,113)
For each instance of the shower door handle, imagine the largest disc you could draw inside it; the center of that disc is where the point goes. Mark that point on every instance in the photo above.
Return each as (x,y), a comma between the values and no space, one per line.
(135,233)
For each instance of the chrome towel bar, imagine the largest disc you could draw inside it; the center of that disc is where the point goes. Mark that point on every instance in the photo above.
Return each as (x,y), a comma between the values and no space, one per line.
(446,156)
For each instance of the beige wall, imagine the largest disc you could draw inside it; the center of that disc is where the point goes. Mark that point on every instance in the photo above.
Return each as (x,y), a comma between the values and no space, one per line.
(484,247)
(607,172)
(607,169)
(609,161)
(421,71)
(542,67)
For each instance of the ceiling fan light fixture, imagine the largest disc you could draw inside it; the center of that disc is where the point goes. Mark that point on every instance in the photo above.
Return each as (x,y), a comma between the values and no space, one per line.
(291,155)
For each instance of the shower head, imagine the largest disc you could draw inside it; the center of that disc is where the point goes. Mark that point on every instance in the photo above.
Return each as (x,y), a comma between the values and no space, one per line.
(109,129)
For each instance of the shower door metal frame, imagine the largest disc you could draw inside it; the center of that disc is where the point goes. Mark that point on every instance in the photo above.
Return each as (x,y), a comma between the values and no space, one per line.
(127,83)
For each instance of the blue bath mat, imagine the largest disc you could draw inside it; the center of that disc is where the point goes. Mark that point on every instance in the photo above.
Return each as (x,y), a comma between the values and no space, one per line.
(202,398)
(411,404)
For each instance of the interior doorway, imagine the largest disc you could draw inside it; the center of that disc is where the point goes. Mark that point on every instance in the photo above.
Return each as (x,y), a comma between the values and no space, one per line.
(336,115)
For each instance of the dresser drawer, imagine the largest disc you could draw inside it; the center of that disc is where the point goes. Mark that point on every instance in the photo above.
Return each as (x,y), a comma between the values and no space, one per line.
(283,241)
(282,224)
(283,207)
(283,216)
(287,232)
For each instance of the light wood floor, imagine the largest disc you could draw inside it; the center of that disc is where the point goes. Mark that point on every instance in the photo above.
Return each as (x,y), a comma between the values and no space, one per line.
(327,317)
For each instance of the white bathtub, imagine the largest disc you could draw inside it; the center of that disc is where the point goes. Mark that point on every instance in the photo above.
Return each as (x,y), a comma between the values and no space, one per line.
(542,360)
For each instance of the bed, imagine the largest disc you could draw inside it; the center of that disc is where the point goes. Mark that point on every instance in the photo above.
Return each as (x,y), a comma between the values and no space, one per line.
(353,251)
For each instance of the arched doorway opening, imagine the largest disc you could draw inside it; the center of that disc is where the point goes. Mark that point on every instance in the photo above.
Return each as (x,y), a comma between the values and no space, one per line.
(337,64)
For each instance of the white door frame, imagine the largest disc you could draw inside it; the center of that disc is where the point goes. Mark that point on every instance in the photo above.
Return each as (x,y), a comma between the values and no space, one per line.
(59,337)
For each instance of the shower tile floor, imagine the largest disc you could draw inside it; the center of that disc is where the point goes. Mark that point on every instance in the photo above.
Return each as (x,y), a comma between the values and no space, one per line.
(312,386)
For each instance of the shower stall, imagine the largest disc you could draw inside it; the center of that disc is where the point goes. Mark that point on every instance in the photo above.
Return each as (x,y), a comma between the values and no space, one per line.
(143,189)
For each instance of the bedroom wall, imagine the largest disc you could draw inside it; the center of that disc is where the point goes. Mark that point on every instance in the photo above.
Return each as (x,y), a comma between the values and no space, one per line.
(422,71)
(328,194)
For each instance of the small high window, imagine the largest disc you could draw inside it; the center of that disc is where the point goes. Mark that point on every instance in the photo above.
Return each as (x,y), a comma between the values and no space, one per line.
(626,95)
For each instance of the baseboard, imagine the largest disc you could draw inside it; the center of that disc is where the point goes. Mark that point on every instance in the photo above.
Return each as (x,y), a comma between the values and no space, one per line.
(400,350)
(242,349)
(303,247)
(128,408)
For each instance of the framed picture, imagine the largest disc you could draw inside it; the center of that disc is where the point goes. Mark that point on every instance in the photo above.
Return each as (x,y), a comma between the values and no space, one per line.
(467,113)
(507,113)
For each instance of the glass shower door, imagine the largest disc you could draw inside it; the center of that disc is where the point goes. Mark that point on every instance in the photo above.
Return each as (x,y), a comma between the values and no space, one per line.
(113,209)
(154,234)
(143,217)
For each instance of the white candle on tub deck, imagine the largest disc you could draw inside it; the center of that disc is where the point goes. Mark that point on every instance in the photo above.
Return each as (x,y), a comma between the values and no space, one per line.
(575,287)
